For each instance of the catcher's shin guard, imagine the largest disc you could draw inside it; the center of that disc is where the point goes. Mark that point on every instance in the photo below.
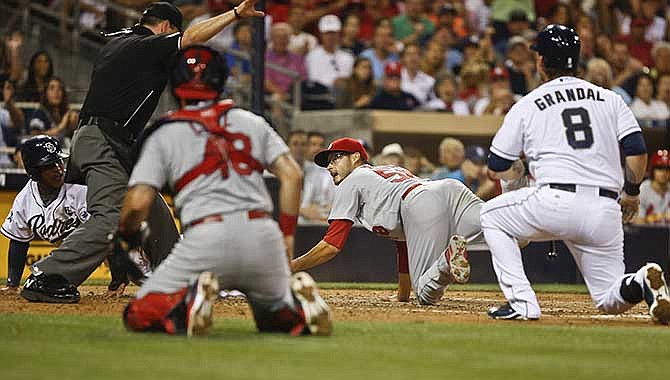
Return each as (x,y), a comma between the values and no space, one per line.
(151,312)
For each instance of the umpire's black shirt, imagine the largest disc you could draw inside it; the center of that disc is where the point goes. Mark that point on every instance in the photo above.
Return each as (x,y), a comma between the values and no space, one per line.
(129,75)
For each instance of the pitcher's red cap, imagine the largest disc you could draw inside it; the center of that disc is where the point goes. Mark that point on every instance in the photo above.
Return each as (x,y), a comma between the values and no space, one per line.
(345,144)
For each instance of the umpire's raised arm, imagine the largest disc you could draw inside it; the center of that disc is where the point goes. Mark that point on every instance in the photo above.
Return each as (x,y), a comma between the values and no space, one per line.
(206,29)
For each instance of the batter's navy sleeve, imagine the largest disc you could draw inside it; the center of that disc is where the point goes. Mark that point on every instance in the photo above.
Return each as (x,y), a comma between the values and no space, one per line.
(16,260)
(633,144)
(499,164)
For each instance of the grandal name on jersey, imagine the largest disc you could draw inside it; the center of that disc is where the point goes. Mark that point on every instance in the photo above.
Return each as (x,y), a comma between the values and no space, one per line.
(565,95)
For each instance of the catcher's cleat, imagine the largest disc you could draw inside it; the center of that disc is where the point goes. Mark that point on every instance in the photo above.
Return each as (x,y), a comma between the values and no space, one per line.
(457,257)
(200,304)
(505,311)
(315,309)
(49,288)
(656,293)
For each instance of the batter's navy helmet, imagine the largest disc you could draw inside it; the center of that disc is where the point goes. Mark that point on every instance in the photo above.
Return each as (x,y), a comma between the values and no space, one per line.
(559,47)
(199,73)
(38,151)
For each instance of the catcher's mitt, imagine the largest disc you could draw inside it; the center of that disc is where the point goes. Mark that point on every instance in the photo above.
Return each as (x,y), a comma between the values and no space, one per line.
(126,260)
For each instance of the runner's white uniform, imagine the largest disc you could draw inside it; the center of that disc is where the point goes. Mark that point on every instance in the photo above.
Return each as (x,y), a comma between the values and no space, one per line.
(393,203)
(569,130)
(30,220)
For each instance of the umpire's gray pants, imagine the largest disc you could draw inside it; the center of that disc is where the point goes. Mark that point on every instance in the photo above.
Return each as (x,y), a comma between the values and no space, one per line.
(106,179)
(431,214)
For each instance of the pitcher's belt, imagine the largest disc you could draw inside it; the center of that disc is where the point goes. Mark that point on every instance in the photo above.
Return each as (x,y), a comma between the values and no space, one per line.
(252,214)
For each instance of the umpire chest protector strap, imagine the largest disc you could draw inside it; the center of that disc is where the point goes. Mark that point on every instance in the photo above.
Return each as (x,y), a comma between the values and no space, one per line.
(214,120)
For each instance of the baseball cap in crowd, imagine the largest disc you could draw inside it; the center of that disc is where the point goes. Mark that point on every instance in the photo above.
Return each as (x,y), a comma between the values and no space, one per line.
(498,73)
(660,159)
(516,40)
(345,144)
(330,23)
(518,15)
(476,154)
(164,11)
(392,69)
(446,9)
(394,148)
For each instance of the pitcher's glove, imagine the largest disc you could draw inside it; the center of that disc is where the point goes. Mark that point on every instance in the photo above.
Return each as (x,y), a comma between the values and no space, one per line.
(121,265)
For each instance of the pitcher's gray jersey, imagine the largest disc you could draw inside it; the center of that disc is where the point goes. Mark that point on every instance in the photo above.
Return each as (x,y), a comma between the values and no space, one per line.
(29,219)
(230,184)
(371,195)
(569,130)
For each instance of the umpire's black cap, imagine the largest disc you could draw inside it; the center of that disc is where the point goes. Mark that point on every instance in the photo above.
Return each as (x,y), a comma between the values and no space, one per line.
(559,46)
(164,11)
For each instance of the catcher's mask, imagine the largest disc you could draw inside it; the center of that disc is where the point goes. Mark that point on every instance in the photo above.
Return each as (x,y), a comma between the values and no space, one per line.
(39,151)
(198,73)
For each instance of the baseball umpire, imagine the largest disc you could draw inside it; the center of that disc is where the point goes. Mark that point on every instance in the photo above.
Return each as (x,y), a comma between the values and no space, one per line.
(45,209)
(213,155)
(430,220)
(129,75)
(570,131)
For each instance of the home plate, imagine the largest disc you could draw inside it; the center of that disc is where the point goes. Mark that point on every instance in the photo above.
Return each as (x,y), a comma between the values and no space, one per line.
(618,316)
(228,293)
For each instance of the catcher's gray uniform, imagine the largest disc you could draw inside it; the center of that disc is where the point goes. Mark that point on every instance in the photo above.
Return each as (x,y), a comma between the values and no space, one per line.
(240,242)
(393,203)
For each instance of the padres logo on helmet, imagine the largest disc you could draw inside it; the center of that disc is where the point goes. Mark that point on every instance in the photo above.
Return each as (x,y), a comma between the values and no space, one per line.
(38,151)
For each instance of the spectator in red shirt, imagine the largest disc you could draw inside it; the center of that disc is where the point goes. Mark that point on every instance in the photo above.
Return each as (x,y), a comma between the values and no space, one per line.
(638,46)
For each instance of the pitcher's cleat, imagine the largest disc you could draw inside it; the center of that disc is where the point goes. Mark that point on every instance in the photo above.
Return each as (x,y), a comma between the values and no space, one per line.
(457,257)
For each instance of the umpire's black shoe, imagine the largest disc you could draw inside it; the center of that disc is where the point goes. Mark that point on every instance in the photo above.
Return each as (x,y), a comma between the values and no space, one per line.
(656,293)
(505,311)
(49,288)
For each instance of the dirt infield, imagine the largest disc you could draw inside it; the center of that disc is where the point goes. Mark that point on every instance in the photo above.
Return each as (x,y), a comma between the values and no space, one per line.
(368,305)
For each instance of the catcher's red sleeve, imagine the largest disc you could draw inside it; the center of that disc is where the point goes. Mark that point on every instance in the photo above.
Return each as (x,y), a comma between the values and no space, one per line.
(403,260)
(338,232)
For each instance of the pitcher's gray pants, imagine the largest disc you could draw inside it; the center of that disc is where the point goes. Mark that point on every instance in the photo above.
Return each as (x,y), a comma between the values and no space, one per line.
(87,246)
(431,214)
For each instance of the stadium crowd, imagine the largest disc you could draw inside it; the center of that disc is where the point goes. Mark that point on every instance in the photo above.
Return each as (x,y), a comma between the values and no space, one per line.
(466,57)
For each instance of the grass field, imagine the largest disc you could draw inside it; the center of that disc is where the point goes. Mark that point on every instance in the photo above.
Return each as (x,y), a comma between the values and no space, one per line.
(69,346)
(75,347)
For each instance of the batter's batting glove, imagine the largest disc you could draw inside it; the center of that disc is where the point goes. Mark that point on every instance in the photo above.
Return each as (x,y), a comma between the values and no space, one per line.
(121,265)
(630,205)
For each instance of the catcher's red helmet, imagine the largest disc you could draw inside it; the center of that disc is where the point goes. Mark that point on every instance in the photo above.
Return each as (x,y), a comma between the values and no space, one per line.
(199,73)
(660,159)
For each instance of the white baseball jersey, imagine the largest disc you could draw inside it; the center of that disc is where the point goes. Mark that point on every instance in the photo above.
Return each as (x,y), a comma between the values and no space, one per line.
(29,219)
(652,202)
(569,129)
(318,187)
(230,183)
(371,195)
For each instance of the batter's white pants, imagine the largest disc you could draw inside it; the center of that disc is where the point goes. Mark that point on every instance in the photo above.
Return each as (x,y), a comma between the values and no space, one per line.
(246,254)
(589,224)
